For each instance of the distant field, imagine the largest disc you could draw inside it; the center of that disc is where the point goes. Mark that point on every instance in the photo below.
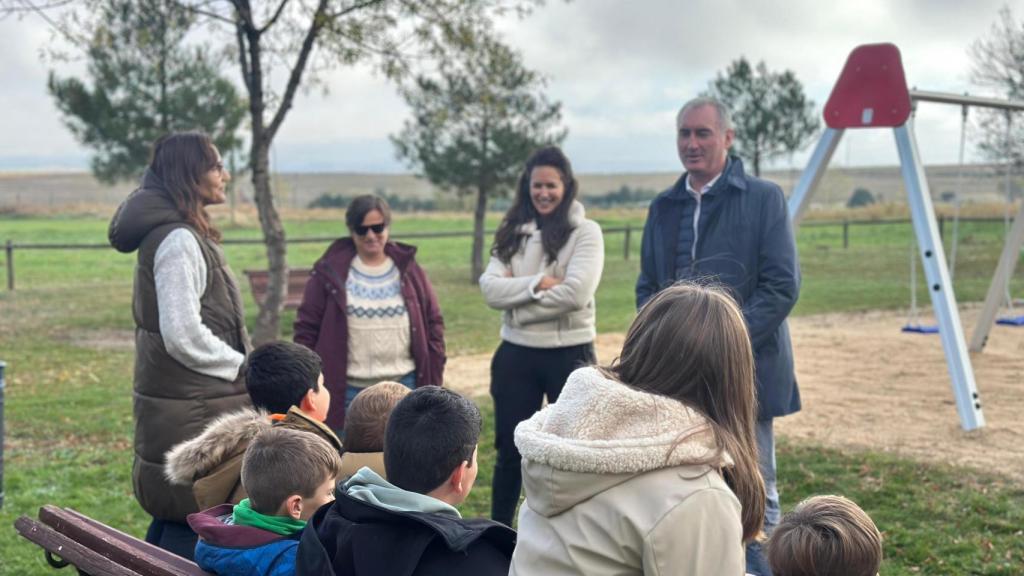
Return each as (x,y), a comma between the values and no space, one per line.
(52,191)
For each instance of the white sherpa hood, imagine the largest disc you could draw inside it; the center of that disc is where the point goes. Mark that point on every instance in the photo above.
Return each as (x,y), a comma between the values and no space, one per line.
(601,433)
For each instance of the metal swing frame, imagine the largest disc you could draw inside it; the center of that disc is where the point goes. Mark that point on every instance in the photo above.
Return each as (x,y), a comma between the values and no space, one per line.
(872,93)
(999,288)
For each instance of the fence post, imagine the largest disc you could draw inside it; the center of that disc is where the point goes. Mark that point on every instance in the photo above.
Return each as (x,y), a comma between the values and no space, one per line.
(846,233)
(942,227)
(10,264)
(625,243)
(2,366)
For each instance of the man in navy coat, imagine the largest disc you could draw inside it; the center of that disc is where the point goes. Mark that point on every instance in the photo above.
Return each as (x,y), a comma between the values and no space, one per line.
(719,224)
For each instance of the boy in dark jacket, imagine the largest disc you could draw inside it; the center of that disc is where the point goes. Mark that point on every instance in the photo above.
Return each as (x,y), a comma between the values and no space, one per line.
(288,475)
(408,525)
(286,387)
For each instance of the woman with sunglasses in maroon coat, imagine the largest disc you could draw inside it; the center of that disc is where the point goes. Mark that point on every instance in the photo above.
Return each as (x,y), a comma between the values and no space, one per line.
(370,312)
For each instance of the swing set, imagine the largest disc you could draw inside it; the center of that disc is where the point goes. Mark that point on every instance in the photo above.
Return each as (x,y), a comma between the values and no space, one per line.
(914,324)
(872,93)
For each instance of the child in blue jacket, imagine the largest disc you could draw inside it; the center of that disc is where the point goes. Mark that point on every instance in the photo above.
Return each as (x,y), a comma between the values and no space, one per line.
(288,474)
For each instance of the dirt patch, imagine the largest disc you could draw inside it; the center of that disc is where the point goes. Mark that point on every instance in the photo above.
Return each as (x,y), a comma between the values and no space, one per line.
(866,385)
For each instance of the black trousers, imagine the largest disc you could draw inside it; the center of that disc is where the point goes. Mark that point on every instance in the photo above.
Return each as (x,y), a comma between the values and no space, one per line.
(520,379)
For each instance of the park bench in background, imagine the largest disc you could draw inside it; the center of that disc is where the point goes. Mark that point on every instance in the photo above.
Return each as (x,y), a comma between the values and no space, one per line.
(297,278)
(72,539)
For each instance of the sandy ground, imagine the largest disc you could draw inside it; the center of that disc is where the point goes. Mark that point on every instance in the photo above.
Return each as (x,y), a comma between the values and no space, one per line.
(866,385)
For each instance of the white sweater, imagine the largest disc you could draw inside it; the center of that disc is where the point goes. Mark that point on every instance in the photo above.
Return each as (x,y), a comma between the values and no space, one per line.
(563,315)
(379,334)
(180,274)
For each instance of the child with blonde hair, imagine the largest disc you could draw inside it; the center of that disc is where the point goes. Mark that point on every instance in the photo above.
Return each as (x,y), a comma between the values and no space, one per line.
(365,422)
(825,535)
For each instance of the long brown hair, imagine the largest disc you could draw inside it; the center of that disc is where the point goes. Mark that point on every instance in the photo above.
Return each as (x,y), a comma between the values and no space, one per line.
(690,343)
(555,228)
(180,160)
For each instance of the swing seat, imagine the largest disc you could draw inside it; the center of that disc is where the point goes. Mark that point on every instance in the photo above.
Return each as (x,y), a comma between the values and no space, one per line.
(1011,321)
(920,329)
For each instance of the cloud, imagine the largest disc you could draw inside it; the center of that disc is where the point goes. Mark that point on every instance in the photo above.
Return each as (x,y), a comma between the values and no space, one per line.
(620,69)
(30,125)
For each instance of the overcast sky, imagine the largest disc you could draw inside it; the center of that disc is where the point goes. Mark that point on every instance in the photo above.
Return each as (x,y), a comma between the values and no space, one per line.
(621,70)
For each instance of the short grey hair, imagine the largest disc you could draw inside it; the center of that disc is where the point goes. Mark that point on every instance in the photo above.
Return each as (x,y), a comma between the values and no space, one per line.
(724,117)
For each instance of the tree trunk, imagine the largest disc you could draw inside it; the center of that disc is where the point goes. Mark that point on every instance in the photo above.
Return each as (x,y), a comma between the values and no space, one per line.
(757,163)
(479,215)
(268,321)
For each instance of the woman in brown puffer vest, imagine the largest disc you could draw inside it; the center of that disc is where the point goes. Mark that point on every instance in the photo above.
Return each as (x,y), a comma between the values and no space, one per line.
(190,336)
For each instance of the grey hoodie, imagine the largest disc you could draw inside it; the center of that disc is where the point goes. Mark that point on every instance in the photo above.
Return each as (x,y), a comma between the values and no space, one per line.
(368,486)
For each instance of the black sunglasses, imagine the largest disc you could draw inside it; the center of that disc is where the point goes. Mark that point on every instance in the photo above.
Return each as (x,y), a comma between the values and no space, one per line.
(377,229)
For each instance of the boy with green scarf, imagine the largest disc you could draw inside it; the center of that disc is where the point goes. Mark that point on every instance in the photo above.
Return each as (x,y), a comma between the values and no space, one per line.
(288,475)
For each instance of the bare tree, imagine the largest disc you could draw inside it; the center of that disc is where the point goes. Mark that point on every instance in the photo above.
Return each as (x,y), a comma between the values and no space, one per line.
(305,39)
(999,64)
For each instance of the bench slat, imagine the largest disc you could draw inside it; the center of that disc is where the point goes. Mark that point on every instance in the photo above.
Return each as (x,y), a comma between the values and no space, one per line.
(122,548)
(74,553)
(183,564)
(259,280)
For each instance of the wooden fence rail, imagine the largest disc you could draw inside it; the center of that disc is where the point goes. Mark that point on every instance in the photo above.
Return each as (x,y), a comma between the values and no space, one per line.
(627,231)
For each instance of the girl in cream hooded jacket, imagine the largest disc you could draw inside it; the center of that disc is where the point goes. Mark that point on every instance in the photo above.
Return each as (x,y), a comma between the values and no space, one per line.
(649,465)
(609,487)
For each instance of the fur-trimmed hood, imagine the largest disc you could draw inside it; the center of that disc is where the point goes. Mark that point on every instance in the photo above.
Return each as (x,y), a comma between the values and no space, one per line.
(601,433)
(224,438)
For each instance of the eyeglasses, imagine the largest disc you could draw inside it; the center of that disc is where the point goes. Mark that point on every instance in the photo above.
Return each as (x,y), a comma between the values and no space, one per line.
(377,229)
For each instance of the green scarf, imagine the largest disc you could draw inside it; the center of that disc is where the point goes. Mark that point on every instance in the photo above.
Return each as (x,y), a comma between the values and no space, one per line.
(244,515)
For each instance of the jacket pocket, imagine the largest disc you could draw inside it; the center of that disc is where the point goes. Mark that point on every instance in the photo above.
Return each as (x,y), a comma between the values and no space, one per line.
(580,319)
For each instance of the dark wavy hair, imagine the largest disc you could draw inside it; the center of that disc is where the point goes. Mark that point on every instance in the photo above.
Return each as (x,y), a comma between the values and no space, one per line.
(555,228)
(180,160)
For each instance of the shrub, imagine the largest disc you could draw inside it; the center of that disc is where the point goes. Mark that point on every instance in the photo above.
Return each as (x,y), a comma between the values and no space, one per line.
(860,197)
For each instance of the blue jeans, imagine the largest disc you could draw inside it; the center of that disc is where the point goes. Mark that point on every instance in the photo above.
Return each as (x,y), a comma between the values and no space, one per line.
(409,381)
(765,431)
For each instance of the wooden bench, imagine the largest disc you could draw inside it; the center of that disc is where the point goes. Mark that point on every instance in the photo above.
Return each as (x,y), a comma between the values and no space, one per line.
(297,278)
(72,539)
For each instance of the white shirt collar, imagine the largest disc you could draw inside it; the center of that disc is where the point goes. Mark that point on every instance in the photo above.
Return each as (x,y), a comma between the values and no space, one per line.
(703,189)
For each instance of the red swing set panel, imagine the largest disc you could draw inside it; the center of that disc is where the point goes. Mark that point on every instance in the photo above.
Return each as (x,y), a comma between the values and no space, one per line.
(871,91)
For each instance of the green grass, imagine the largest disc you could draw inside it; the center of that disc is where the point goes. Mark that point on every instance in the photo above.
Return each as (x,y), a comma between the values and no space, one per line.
(68,404)
(873,273)
(934,519)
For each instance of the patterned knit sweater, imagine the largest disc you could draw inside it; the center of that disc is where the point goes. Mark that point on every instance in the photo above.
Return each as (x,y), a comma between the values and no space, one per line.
(378,323)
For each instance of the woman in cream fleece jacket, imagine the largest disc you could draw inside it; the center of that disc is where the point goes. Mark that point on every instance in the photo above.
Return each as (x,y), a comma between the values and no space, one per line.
(545,267)
(648,466)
